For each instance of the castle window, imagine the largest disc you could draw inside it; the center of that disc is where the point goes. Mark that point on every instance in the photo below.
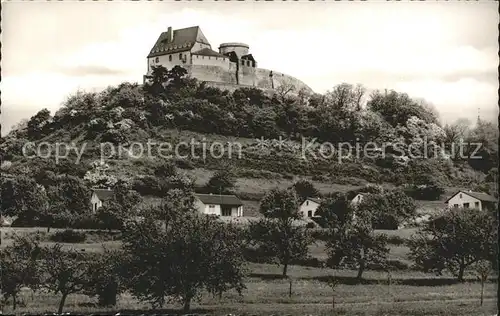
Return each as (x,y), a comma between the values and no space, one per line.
(157,60)
(169,57)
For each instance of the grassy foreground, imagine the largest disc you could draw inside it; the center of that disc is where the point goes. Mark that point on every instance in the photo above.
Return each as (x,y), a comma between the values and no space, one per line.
(409,292)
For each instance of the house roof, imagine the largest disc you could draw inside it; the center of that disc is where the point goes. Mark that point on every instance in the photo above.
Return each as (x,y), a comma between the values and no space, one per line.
(103,194)
(219,199)
(478,195)
(248,57)
(208,52)
(183,40)
(316,200)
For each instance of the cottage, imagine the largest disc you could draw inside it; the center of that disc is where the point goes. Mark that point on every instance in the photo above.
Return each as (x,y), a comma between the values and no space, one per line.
(218,204)
(309,207)
(469,199)
(99,196)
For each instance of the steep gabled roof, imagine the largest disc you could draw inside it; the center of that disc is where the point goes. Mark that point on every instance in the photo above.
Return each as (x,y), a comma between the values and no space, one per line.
(184,40)
(103,194)
(248,57)
(478,195)
(315,200)
(208,52)
(219,199)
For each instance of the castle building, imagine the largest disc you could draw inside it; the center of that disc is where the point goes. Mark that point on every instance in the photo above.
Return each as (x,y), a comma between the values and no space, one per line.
(231,67)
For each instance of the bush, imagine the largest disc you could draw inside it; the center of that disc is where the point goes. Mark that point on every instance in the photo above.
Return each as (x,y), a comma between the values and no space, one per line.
(396,240)
(184,164)
(68,236)
(310,225)
(319,234)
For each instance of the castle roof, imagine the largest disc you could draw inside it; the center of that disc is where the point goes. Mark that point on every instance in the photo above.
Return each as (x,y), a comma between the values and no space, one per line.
(248,56)
(208,52)
(183,40)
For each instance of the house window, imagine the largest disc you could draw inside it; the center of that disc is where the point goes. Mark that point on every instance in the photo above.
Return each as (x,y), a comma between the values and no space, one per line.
(248,63)
(455,205)
(309,213)
(157,60)
(460,195)
(476,204)
(211,206)
(95,206)
(307,202)
(466,205)
(180,56)
(169,57)
(226,211)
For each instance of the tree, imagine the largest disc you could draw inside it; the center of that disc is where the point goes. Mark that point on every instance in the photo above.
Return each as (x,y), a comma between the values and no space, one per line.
(336,209)
(37,123)
(455,241)
(457,131)
(352,242)
(222,182)
(157,81)
(188,253)
(389,209)
(121,206)
(98,176)
(19,266)
(69,199)
(24,198)
(305,189)
(277,236)
(65,272)
(105,277)
(396,108)
(279,242)
(483,270)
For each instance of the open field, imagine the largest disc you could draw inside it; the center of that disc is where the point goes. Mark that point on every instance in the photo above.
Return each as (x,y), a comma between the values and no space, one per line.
(410,292)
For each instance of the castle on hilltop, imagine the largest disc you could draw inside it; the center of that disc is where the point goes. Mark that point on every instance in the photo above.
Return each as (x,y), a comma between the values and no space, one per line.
(229,68)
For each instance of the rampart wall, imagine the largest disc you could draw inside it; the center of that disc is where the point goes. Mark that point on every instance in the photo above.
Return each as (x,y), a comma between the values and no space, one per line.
(244,76)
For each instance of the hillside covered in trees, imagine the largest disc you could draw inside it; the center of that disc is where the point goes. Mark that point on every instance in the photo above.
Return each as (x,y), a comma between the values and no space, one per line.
(174,108)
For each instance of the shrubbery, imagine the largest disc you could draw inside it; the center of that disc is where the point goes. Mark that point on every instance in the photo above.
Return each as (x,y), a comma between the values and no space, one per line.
(68,236)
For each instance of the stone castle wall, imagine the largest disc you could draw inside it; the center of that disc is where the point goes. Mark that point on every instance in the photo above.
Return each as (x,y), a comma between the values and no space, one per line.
(247,77)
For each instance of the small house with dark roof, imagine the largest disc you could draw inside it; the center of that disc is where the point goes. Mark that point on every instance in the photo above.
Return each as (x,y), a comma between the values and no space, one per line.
(473,200)
(99,196)
(219,204)
(309,206)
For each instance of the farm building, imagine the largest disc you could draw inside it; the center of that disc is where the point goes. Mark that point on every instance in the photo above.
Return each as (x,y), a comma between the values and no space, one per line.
(218,204)
(469,199)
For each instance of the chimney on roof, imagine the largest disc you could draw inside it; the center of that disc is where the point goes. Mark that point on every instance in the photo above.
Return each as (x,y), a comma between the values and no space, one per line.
(170,34)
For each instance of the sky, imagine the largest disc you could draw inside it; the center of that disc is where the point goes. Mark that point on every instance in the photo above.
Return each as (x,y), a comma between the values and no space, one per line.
(443,52)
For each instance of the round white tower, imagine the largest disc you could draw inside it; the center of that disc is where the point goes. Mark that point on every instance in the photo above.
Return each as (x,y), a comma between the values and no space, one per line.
(240,49)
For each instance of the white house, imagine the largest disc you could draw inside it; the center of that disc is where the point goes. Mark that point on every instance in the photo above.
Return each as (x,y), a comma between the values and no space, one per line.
(218,204)
(469,199)
(99,196)
(309,207)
